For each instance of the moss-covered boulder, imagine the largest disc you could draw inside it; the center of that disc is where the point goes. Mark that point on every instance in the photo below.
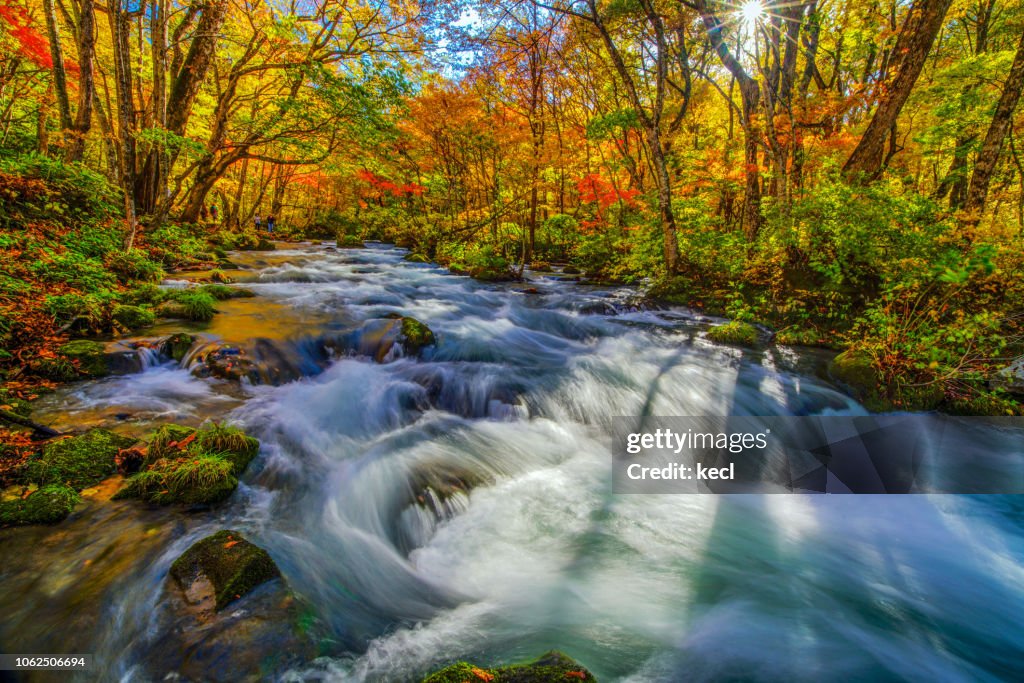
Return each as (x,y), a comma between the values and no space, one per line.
(350,242)
(89,357)
(571,270)
(736,333)
(225,563)
(264,245)
(189,466)
(177,345)
(133,317)
(414,257)
(551,667)
(47,505)
(856,371)
(415,336)
(78,461)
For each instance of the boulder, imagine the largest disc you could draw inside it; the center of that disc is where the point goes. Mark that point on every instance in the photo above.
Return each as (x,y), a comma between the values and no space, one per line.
(177,345)
(735,333)
(78,461)
(133,317)
(47,505)
(222,568)
(88,356)
(413,257)
(387,338)
(1011,378)
(549,668)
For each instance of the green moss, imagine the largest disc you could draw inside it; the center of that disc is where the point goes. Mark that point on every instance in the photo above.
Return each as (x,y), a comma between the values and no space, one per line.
(735,332)
(220,276)
(350,242)
(230,442)
(161,440)
(177,345)
(265,245)
(231,563)
(47,505)
(415,335)
(798,336)
(78,461)
(223,292)
(133,317)
(193,479)
(192,304)
(551,667)
(57,369)
(90,356)
(416,258)
(990,404)
(857,371)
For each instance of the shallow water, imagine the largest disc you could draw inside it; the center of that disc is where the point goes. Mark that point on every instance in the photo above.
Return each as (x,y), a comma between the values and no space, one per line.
(518,397)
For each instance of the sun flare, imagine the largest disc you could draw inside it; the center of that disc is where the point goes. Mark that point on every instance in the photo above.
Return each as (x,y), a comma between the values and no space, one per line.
(751,12)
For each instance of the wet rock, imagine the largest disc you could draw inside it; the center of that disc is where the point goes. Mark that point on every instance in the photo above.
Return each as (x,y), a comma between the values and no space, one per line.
(133,317)
(541,267)
(78,461)
(386,339)
(549,668)
(735,333)
(416,258)
(226,362)
(350,242)
(165,440)
(177,345)
(570,270)
(47,505)
(88,356)
(222,568)
(1011,378)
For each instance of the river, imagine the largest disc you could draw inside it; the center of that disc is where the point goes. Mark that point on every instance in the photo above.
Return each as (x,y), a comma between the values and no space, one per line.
(517,398)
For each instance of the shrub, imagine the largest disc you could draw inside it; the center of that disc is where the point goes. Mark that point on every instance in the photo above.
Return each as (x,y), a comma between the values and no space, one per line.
(73,269)
(133,317)
(135,265)
(195,305)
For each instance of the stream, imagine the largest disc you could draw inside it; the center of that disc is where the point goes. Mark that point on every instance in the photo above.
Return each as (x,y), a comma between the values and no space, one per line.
(517,397)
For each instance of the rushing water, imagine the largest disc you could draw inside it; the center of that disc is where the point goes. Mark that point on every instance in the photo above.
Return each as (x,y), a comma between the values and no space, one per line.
(517,398)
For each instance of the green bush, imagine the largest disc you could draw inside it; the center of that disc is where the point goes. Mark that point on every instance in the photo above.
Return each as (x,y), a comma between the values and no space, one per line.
(133,317)
(195,304)
(73,269)
(135,265)
(73,192)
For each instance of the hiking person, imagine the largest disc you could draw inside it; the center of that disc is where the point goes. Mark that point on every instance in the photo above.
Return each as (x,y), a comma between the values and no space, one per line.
(257,220)
(213,212)
(270,223)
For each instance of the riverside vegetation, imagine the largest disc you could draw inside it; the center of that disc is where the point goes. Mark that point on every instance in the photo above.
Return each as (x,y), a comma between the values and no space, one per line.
(844,176)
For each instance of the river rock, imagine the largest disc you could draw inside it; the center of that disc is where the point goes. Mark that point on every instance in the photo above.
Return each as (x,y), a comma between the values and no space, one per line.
(735,333)
(387,338)
(177,345)
(549,668)
(78,461)
(222,568)
(1011,378)
(89,357)
(47,505)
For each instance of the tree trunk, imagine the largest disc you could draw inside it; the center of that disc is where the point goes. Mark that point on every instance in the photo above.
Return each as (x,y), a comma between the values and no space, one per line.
(985,164)
(60,82)
(915,41)
(120,30)
(86,81)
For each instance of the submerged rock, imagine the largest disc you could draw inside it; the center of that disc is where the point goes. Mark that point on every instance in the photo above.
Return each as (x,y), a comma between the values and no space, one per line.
(47,505)
(78,461)
(222,568)
(387,338)
(549,668)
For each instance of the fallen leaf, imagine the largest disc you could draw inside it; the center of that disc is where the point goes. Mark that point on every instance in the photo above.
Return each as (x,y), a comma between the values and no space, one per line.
(576,674)
(230,543)
(482,675)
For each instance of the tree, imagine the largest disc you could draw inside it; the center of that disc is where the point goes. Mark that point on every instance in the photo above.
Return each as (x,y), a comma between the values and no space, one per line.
(922,24)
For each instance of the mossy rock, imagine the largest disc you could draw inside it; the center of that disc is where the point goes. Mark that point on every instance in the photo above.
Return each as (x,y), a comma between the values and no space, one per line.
(233,566)
(223,292)
(220,276)
(416,258)
(229,442)
(91,356)
(192,479)
(350,242)
(78,461)
(857,371)
(571,270)
(47,505)
(549,668)
(177,345)
(163,441)
(133,317)
(798,336)
(265,245)
(492,274)
(736,333)
(58,369)
(415,335)
(541,267)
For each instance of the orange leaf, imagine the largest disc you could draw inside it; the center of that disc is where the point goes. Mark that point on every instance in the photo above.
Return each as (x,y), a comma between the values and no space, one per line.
(482,675)
(230,543)
(187,440)
(576,674)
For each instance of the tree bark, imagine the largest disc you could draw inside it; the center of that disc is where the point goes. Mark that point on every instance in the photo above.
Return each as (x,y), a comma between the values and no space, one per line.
(919,30)
(60,80)
(985,164)
(86,80)
(120,30)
